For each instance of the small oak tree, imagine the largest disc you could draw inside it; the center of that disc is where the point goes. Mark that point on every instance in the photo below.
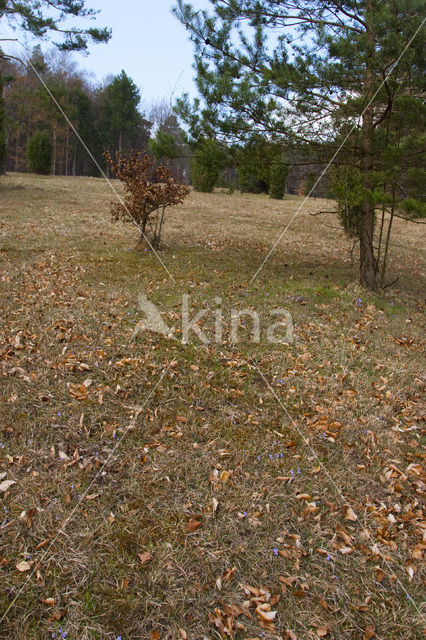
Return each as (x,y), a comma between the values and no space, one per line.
(149,190)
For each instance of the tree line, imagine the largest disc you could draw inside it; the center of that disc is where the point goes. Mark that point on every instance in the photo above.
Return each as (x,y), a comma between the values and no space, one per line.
(37,97)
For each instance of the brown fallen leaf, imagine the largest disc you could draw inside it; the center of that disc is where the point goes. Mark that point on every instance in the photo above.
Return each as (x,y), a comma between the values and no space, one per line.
(23,566)
(322,631)
(145,557)
(264,613)
(42,544)
(49,601)
(350,515)
(193,525)
(369,632)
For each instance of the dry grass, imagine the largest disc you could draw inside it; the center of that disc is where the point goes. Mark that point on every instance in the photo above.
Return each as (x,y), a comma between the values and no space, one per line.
(205,426)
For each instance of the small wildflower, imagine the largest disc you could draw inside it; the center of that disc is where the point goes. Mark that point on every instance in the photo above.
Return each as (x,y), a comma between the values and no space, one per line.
(276,551)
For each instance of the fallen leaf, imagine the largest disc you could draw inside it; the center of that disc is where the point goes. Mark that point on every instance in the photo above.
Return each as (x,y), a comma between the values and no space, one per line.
(5,485)
(145,557)
(350,515)
(369,632)
(224,476)
(193,525)
(23,566)
(345,550)
(322,631)
(263,614)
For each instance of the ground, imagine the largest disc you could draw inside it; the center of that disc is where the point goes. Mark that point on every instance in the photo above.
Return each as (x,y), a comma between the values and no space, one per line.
(166,490)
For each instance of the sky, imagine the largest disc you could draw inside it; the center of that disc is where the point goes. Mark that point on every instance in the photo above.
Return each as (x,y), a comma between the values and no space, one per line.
(148,42)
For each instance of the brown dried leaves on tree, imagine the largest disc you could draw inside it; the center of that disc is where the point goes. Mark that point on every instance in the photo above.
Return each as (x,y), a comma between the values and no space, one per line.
(149,190)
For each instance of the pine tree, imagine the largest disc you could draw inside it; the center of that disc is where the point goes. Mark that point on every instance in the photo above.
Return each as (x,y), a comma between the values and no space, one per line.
(334,66)
(120,115)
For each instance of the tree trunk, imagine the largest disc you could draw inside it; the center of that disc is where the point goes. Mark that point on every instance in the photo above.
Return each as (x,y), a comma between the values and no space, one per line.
(66,150)
(3,147)
(54,152)
(142,242)
(367,262)
(17,147)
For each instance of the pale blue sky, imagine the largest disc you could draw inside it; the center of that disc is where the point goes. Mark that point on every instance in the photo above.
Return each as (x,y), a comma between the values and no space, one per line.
(148,42)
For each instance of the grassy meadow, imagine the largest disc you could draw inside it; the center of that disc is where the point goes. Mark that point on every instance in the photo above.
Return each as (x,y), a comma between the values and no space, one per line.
(205,491)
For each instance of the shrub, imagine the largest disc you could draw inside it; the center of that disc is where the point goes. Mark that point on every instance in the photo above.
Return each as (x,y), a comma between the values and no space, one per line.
(278,179)
(39,153)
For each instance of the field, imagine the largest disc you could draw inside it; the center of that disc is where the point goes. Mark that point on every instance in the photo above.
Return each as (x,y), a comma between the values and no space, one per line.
(199,491)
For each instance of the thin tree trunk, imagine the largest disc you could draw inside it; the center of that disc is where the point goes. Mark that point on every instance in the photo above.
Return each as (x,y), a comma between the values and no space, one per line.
(385,256)
(66,151)
(3,145)
(141,243)
(54,152)
(382,225)
(161,226)
(368,266)
(17,147)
